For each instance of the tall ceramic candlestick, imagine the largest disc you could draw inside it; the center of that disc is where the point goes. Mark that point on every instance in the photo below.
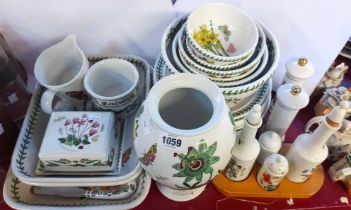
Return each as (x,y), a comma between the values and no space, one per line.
(309,150)
(298,71)
(290,99)
(246,149)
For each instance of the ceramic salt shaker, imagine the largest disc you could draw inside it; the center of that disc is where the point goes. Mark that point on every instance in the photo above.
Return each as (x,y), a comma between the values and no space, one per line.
(289,100)
(246,149)
(298,71)
(273,170)
(270,143)
(310,149)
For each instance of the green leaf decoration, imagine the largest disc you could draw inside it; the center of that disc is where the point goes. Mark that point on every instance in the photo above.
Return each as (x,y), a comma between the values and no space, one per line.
(85,142)
(71,138)
(214,159)
(180,174)
(76,142)
(208,170)
(212,149)
(177,167)
(202,146)
(62,140)
(199,177)
(188,178)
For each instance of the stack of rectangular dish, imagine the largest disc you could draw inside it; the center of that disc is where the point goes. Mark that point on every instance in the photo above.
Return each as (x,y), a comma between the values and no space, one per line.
(36,183)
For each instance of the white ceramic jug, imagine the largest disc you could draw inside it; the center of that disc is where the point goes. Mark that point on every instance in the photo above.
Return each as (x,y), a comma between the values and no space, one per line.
(61,69)
(310,149)
(184,134)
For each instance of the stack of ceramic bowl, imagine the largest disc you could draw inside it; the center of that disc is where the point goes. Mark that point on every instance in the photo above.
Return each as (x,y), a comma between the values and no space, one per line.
(227,46)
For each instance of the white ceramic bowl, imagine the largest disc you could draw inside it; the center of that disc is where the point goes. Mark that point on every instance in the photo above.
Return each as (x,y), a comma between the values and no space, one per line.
(166,44)
(232,74)
(221,33)
(238,65)
(236,93)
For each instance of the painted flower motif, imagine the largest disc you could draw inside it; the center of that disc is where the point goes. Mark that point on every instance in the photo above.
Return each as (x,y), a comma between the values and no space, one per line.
(196,163)
(267,178)
(92,132)
(126,155)
(208,39)
(79,132)
(67,122)
(95,125)
(76,120)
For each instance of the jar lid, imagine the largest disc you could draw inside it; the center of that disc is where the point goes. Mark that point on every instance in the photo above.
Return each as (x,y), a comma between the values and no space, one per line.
(277,164)
(299,68)
(270,141)
(292,96)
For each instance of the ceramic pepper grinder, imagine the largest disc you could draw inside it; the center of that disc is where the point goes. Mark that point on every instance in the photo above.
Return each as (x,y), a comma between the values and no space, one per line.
(298,71)
(310,149)
(273,170)
(246,149)
(270,143)
(289,100)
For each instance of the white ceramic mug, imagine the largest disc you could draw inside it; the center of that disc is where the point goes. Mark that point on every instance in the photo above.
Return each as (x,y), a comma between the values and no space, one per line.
(60,68)
(112,84)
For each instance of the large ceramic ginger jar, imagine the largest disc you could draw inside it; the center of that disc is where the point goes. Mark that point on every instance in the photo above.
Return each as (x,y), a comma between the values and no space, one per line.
(184,134)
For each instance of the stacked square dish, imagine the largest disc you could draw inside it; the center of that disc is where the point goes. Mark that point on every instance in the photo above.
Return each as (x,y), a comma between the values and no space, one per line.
(224,44)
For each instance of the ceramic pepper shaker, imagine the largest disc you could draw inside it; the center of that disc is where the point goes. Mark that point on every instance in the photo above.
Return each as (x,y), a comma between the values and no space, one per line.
(289,100)
(298,71)
(273,170)
(310,149)
(246,149)
(270,143)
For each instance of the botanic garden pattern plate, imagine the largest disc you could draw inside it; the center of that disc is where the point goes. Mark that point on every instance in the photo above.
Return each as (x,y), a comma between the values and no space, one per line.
(18,195)
(25,155)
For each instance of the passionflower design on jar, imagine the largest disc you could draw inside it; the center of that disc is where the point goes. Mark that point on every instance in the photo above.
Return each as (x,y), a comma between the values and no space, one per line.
(183,134)
(195,164)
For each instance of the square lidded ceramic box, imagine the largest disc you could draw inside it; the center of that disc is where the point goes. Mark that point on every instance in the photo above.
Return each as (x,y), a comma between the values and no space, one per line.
(79,141)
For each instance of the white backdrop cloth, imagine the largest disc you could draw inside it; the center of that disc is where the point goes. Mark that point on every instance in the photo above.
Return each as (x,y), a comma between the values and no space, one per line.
(316,29)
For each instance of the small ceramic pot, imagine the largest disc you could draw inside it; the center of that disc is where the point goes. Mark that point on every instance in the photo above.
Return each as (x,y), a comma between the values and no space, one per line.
(112,84)
(234,34)
(78,141)
(270,143)
(273,170)
(184,134)
(61,69)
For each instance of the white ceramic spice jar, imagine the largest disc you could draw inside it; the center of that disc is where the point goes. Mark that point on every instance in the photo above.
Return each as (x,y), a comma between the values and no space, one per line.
(298,71)
(273,170)
(289,100)
(270,143)
(184,134)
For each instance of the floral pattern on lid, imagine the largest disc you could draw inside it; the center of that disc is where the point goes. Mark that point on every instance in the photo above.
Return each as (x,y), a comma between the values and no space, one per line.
(79,133)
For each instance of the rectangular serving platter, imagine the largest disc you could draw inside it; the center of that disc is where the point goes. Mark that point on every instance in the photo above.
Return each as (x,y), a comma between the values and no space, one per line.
(19,195)
(25,156)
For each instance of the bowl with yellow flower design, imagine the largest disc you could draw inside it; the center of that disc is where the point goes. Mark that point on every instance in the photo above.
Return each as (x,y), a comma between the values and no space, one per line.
(220,34)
